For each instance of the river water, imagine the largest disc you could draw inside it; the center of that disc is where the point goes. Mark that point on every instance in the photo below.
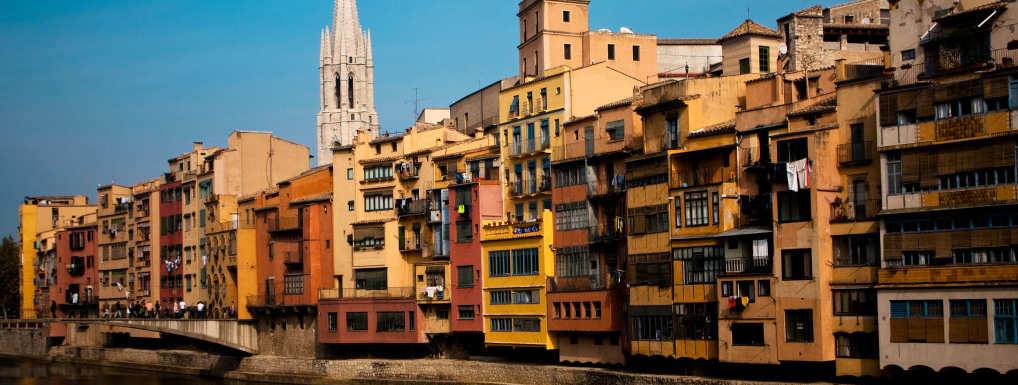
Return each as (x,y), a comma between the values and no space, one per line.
(17,371)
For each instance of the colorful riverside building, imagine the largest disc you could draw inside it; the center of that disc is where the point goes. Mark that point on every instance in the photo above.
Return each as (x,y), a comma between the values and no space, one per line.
(42,215)
(143,214)
(948,282)
(293,242)
(76,273)
(114,203)
(392,263)
(682,198)
(585,297)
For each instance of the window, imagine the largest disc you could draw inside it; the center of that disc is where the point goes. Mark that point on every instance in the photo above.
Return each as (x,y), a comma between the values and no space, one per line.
(856,345)
(525,262)
(652,328)
(616,130)
(917,321)
(968,321)
(696,321)
(349,174)
(856,250)
(356,321)
(498,263)
(908,54)
(894,184)
(465,311)
(570,175)
(379,201)
(349,205)
(794,206)
(1005,321)
(500,297)
(636,53)
(796,264)
(378,172)
(571,216)
(526,296)
(370,279)
(572,261)
(745,289)
(293,284)
(792,150)
(764,288)
(465,276)
(799,325)
(744,66)
(701,264)
(567,52)
(501,324)
(959,107)
(747,334)
(611,51)
(390,321)
(696,209)
(765,59)
(715,201)
(333,321)
(464,231)
(917,258)
(651,270)
(855,302)
(565,16)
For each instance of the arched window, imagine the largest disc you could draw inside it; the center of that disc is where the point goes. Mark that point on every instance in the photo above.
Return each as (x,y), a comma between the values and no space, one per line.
(349,89)
(339,91)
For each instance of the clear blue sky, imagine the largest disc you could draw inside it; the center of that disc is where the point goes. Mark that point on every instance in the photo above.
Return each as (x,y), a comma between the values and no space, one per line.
(94,92)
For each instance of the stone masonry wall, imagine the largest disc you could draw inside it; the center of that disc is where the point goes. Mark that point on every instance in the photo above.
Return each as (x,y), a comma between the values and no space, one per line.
(28,342)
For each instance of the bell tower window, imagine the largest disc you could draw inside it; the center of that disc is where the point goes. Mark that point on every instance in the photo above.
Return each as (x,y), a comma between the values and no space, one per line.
(339,91)
(349,89)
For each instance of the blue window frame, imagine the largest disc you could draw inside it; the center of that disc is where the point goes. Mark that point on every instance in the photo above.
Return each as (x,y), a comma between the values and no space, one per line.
(1005,321)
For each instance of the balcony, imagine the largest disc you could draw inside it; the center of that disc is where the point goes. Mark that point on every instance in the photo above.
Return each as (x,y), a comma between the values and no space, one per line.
(748,265)
(217,227)
(571,151)
(413,244)
(412,207)
(574,284)
(611,188)
(854,154)
(607,232)
(849,210)
(390,292)
(279,299)
(577,304)
(433,294)
(286,223)
(527,146)
(76,268)
(607,145)
(407,171)
(700,177)
(977,196)
(531,186)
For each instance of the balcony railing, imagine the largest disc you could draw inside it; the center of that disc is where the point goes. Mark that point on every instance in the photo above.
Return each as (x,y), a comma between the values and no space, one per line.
(432,293)
(410,207)
(531,186)
(583,283)
(406,171)
(571,151)
(606,232)
(910,73)
(287,223)
(748,265)
(615,185)
(279,299)
(215,227)
(700,177)
(413,243)
(526,146)
(855,153)
(391,292)
(849,210)
(752,157)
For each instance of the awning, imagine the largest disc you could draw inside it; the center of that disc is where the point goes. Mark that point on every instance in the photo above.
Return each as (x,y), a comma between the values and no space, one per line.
(744,231)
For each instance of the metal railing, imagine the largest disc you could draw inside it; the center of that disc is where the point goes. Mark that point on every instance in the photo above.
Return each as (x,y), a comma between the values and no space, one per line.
(529,186)
(407,170)
(584,283)
(435,294)
(615,185)
(570,151)
(748,265)
(606,232)
(409,207)
(390,292)
(279,299)
(855,153)
(701,177)
(526,146)
(847,210)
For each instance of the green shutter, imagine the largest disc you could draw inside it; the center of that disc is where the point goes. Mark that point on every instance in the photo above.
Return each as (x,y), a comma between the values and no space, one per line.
(201,221)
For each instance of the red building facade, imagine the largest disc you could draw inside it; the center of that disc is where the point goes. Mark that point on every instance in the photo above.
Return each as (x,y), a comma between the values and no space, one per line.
(77,272)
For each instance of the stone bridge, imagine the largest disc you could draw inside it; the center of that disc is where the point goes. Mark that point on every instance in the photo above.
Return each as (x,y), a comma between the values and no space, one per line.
(239,335)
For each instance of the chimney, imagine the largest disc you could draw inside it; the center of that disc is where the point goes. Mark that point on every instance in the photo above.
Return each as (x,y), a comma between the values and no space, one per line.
(839,70)
(198,146)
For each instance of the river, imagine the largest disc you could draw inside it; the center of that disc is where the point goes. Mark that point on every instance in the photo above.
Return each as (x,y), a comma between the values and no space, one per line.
(19,371)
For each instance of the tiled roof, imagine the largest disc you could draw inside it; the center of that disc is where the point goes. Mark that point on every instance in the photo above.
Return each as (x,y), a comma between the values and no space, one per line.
(620,103)
(385,139)
(830,103)
(749,27)
(687,41)
(855,26)
(994,6)
(326,196)
(717,129)
(380,159)
(306,173)
(814,11)
(580,118)
(372,222)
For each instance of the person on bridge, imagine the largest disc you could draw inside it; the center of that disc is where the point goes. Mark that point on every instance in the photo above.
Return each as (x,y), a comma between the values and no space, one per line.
(156,315)
(201,309)
(106,310)
(148,310)
(176,310)
(183,309)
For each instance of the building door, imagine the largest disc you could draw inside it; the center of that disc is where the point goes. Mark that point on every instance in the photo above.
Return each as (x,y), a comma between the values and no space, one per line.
(858,146)
(270,291)
(588,138)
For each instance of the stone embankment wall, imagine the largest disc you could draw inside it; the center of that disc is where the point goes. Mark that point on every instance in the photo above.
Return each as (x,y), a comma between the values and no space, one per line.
(23,342)
(301,371)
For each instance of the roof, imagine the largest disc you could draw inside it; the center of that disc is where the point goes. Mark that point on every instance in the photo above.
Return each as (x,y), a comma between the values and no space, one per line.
(371,222)
(856,26)
(619,103)
(985,8)
(580,118)
(306,173)
(687,41)
(717,129)
(829,103)
(385,139)
(814,11)
(380,159)
(322,197)
(749,27)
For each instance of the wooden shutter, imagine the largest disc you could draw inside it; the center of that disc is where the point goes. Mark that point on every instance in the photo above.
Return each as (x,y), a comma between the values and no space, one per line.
(917,329)
(977,330)
(934,329)
(995,87)
(892,246)
(924,103)
(910,167)
(888,109)
(899,329)
(958,330)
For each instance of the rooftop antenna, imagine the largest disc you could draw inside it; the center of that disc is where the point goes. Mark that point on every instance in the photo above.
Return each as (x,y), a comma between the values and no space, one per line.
(415,102)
